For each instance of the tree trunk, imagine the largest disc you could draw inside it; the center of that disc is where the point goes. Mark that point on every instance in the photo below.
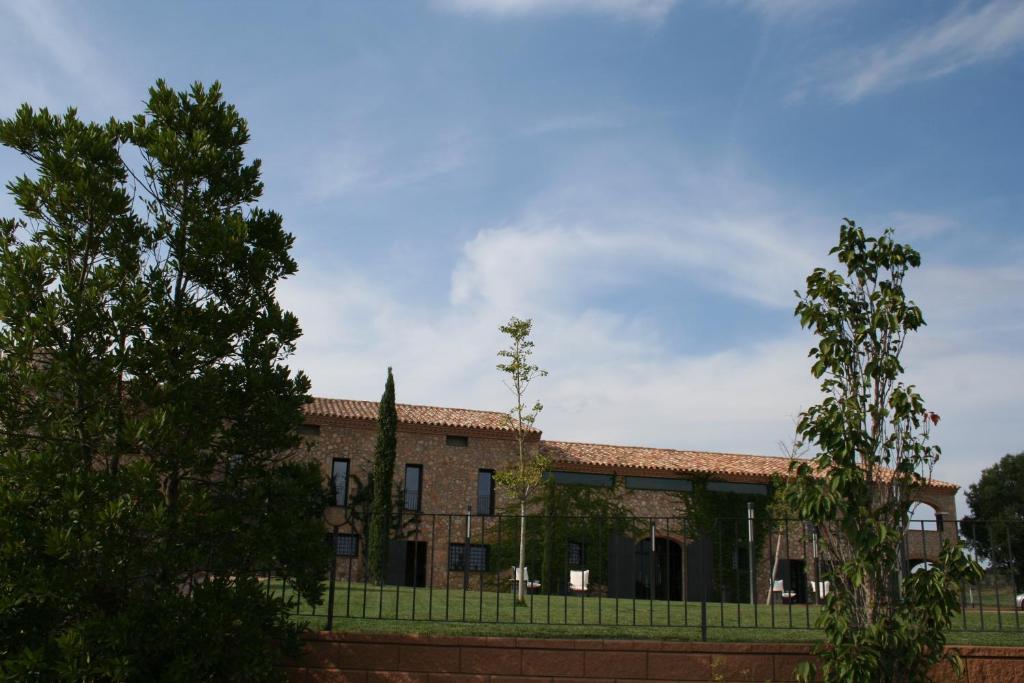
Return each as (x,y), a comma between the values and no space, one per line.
(521,589)
(775,568)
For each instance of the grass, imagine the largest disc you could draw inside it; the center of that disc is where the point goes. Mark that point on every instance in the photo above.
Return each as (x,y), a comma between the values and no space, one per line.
(360,607)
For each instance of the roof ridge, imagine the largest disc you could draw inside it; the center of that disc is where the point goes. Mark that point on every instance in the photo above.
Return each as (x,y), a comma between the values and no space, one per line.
(410,405)
(672,450)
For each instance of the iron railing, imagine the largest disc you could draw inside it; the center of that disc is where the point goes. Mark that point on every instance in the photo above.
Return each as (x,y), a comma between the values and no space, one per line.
(665,572)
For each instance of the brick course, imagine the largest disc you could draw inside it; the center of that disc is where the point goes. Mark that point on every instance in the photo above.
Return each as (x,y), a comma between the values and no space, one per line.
(344,658)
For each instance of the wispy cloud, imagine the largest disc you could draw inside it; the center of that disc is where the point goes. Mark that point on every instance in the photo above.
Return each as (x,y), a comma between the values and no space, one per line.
(647,10)
(964,38)
(40,34)
(356,164)
(790,9)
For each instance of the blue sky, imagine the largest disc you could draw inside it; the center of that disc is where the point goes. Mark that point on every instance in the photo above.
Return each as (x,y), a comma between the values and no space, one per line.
(648,179)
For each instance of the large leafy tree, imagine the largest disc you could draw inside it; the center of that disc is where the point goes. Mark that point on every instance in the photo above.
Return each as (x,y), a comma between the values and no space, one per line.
(384,454)
(995,527)
(147,417)
(870,451)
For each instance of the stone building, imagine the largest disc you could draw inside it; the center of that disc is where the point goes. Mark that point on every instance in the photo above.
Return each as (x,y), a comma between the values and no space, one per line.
(445,467)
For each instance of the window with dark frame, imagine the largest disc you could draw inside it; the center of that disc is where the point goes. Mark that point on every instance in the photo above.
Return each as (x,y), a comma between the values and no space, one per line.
(581,478)
(413,487)
(339,481)
(309,430)
(456,440)
(485,492)
(737,487)
(574,554)
(346,545)
(479,557)
(658,484)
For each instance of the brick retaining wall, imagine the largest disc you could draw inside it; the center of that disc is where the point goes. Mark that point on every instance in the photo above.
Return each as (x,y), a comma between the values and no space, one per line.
(368,658)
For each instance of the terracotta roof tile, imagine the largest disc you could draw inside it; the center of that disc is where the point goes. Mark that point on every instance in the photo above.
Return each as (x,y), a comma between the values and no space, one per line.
(413,414)
(667,459)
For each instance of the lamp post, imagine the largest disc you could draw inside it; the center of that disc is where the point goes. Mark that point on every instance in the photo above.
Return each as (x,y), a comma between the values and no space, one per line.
(750,548)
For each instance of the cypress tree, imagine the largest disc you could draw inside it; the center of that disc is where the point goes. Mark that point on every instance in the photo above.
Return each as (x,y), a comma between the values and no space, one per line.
(383,474)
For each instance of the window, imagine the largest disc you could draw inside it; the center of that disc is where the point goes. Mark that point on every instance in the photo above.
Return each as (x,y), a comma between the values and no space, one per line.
(309,430)
(733,487)
(346,545)
(485,492)
(413,486)
(479,557)
(456,441)
(574,555)
(339,481)
(658,484)
(582,479)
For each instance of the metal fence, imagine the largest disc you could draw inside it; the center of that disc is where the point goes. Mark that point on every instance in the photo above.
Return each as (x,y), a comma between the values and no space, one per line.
(625,572)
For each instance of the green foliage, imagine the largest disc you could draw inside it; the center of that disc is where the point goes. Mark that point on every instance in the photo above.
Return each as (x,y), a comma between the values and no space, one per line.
(870,439)
(526,474)
(995,528)
(383,473)
(146,413)
(359,515)
(721,516)
(580,514)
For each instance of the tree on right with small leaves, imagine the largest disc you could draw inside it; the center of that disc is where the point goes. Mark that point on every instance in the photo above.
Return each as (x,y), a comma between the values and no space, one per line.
(870,452)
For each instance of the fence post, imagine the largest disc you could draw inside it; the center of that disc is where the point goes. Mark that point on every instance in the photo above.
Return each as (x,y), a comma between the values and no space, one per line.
(331,581)
(750,549)
(704,619)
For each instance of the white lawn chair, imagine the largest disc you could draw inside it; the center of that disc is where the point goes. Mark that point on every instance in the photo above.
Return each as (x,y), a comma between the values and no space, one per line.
(579,581)
(785,596)
(531,586)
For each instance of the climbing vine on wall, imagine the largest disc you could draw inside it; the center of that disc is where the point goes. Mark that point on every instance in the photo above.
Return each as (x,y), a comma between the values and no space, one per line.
(569,529)
(717,521)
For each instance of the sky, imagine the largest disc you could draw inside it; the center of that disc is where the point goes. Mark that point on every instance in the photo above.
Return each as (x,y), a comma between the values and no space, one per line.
(648,180)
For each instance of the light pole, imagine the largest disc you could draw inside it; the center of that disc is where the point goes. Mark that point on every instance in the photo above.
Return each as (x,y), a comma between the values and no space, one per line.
(750,548)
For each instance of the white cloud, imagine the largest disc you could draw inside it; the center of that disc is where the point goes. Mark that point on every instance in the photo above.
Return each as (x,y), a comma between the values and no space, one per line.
(790,9)
(49,56)
(648,10)
(353,164)
(617,377)
(963,38)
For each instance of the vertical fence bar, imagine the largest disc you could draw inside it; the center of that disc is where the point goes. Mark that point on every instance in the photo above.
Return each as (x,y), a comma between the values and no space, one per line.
(981,609)
(432,553)
(686,570)
(652,563)
(483,568)
(330,583)
(1013,579)
(750,553)
(448,571)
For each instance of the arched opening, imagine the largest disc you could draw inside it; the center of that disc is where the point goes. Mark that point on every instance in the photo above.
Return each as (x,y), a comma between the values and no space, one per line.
(919,565)
(662,569)
(924,517)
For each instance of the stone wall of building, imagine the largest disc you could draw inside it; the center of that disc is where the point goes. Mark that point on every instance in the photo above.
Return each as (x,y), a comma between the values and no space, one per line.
(449,486)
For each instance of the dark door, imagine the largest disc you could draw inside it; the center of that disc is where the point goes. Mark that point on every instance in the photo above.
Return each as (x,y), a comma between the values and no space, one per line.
(663,570)
(395,573)
(699,570)
(620,567)
(416,563)
(794,577)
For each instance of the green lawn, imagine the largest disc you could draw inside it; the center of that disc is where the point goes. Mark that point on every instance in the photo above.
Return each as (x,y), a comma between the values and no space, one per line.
(364,608)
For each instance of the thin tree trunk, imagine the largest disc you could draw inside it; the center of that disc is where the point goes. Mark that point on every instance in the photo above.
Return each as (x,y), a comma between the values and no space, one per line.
(521,592)
(775,568)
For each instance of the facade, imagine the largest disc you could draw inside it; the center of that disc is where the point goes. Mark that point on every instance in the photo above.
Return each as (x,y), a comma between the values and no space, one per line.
(446,460)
